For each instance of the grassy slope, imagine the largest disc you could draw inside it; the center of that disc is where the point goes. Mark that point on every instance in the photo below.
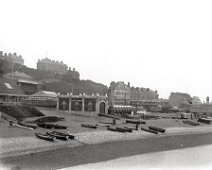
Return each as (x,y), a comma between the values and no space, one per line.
(20,112)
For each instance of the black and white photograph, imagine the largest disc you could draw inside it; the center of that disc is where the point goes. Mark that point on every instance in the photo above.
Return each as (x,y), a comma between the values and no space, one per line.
(105,84)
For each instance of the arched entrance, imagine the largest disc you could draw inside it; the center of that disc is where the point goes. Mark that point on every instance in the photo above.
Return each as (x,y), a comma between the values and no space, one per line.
(102,107)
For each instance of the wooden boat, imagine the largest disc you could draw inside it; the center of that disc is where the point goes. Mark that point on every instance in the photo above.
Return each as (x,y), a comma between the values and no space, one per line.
(157,129)
(50,126)
(64,134)
(27,125)
(112,128)
(123,129)
(149,130)
(132,128)
(205,120)
(44,125)
(92,126)
(103,122)
(132,116)
(135,121)
(58,136)
(59,126)
(147,117)
(110,116)
(103,125)
(118,129)
(191,123)
(44,137)
(23,127)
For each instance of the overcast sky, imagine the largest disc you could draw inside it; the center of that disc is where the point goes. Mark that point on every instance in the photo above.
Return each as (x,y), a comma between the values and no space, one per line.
(164,45)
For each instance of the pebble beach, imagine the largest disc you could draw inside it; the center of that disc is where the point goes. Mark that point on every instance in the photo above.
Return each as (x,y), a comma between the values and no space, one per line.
(25,145)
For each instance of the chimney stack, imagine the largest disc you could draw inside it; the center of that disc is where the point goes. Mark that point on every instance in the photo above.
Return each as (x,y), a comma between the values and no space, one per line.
(207,99)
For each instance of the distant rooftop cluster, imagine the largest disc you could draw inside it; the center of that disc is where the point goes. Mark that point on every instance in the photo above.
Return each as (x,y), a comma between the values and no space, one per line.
(12,58)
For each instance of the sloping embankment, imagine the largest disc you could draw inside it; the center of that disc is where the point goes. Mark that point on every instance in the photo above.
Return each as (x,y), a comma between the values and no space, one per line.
(19,112)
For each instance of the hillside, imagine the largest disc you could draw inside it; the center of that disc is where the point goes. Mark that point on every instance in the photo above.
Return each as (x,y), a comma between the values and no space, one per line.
(76,87)
(20,112)
(61,83)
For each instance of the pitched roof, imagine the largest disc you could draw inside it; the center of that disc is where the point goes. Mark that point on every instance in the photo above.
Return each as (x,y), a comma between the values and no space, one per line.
(18,75)
(45,93)
(28,82)
(9,86)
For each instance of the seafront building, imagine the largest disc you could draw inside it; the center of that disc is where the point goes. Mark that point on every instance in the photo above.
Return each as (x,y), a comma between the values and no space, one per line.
(122,96)
(83,104)
(196,100)
(137,94)
(179,99)
(118,94)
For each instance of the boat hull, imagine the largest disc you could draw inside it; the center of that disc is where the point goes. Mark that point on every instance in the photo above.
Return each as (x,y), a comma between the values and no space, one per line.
(135,121)
(64,134)
(149,130)
(44,137)
(92,126)
(157,129)
(61,137)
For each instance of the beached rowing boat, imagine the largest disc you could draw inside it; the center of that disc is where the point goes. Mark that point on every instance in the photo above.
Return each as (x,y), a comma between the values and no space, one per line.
(135,121)
(27,125)
(112,128)
(132,116)
(205,120)
(64,134)
(104,122)
(44,125)
(103,125)
(58,136)
(110,116)
(132,128)
(92,126)
(44,137)
(149,130)
(50,126)
(191,123)
(119,129)
(123,129)
(157,129)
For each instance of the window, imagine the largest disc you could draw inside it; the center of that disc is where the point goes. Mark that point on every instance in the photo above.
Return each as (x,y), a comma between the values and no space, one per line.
(8,86)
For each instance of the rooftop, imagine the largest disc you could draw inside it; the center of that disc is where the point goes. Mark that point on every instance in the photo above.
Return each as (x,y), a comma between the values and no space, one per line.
(9,86)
